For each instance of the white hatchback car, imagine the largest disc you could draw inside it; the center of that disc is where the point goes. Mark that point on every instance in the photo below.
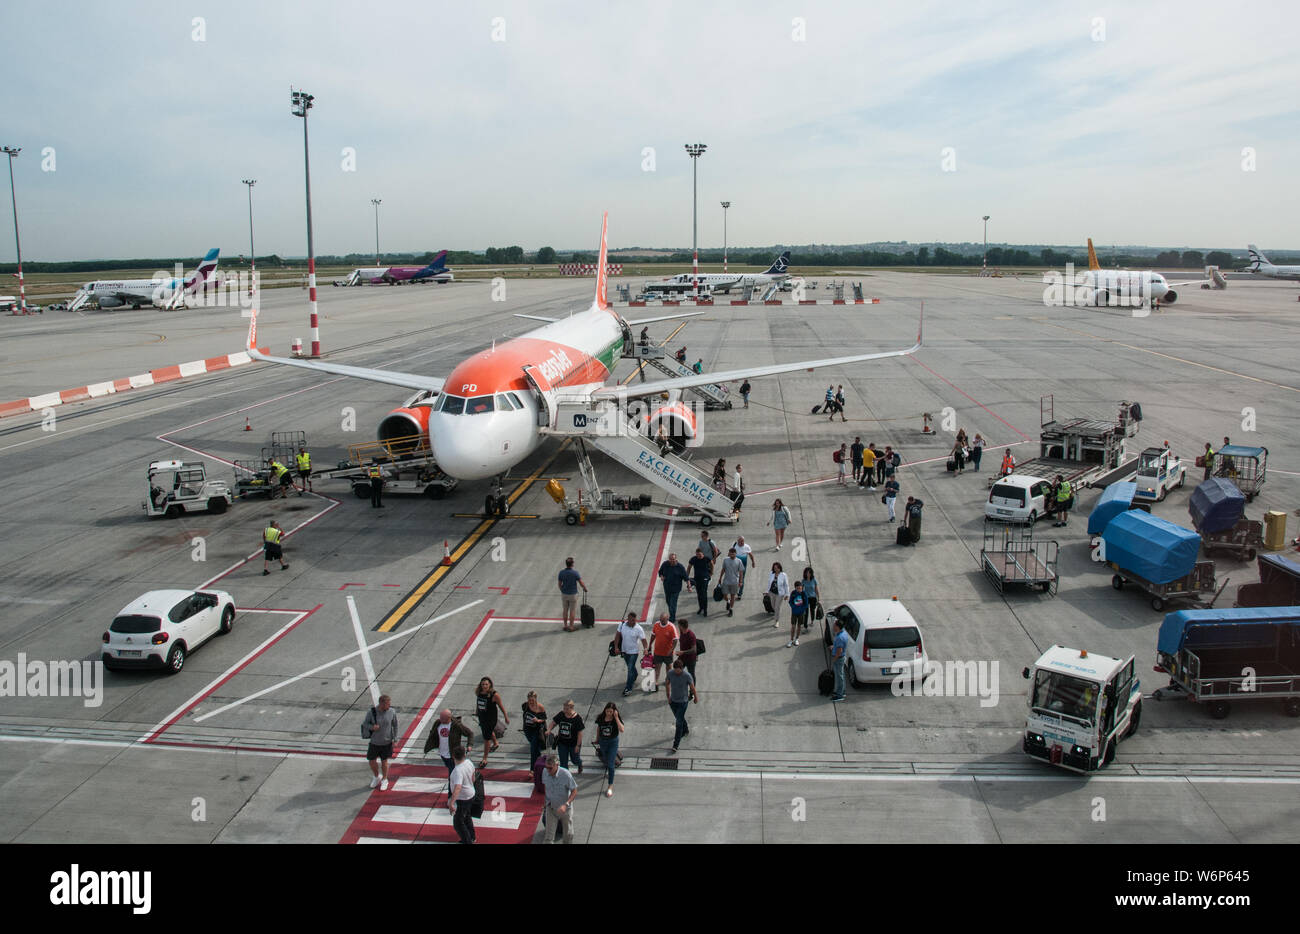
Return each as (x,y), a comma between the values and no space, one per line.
(884,641)
(160,629)
(1018,498)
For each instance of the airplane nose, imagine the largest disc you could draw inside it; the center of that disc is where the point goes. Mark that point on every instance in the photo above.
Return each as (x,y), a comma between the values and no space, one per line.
(459,453)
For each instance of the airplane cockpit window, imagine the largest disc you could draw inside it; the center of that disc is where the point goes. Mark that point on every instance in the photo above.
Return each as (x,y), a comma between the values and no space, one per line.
(516,400)
(452,405)
(503,403)
(478,405)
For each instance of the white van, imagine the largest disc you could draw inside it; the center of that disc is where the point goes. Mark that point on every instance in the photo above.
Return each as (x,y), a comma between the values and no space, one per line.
(1018,498)
(884,641)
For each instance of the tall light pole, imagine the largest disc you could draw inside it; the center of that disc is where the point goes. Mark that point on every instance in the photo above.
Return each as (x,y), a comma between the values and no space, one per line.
(22,289)
(986,244)
(376,202)
(725,205)
(301,102)
(252,252)
(695,150)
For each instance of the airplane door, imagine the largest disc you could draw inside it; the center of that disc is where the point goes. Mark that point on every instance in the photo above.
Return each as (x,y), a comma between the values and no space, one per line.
(542,386)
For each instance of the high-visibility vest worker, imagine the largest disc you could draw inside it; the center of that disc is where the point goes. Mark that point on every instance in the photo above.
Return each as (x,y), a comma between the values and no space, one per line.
(279,468)
(304,460)
(1064,492)
(271,534)
(1008,463)
(373,472)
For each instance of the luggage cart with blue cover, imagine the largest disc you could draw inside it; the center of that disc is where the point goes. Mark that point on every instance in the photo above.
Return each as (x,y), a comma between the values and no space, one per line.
(1218,509)
(1214,656)
(1158,557)
(1278,584)
(1115,499)
(1244,466)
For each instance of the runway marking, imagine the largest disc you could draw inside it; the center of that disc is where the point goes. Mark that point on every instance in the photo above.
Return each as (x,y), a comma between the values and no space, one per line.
(1081,781)
(319,668)
(366,663)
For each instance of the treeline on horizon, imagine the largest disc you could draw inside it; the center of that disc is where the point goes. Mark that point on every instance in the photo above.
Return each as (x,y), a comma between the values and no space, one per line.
(516,255)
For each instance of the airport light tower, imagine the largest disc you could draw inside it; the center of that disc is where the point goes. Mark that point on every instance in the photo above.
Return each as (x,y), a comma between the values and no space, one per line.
(695,150)
(725,205)
(252,252)
(12,153)
(986,246)
(301,102)
(376,202)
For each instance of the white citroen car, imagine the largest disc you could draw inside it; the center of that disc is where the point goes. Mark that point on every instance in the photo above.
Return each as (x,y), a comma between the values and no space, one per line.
(884,641)
(160,629)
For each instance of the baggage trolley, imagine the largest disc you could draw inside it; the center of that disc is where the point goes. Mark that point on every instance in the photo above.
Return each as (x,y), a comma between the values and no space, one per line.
(1243,540)
(1011,556)
(1188,588)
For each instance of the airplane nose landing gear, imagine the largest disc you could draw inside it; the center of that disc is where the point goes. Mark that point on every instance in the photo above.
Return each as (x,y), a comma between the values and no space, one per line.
(497,503)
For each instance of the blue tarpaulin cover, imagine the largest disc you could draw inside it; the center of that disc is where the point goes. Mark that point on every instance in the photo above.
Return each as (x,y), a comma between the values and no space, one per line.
(1116,498)
(1222,627)
(1151,548)
(1216,505)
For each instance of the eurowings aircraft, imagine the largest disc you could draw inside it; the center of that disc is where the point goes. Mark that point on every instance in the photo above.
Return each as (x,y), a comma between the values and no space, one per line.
(483,418)
(113,293)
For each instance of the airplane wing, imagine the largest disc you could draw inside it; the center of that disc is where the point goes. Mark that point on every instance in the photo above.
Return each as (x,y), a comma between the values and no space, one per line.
(391,377)
(655,387)
(537,318)
(683,314)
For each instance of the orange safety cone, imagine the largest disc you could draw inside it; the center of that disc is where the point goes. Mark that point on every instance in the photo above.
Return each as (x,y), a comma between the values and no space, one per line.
(247,425)
(446,553)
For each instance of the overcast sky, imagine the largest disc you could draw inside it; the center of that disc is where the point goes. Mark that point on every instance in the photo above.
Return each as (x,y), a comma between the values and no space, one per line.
(825,122)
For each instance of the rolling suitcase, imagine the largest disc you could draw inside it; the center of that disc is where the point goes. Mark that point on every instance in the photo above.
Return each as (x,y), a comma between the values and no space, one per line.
(904,536)
(952,465)
(588,614)
(815,410)
(826,683)
(767,602)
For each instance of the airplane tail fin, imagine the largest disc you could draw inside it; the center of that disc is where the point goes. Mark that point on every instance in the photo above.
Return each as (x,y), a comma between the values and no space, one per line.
(439,261)
(205,269)
(780,266)
(602,266)
(1092,256)
(1257,258)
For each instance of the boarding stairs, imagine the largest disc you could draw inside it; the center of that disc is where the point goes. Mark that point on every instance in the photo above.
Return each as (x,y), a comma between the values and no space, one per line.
(78,300)
(714,395)
(604,425)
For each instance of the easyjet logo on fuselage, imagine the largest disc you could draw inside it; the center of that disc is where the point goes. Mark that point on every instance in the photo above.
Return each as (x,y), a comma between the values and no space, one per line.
(555,366)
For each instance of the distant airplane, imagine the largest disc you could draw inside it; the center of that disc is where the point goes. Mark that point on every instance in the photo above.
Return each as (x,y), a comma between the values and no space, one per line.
(1137,286)
(725,282)
(435,271)
(166,293)
(1260,265)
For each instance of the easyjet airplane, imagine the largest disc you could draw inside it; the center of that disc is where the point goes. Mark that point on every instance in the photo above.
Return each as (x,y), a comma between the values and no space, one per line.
(483,418)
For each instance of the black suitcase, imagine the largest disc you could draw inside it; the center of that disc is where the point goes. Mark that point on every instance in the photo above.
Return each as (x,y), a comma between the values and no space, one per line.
(904,536)
(767,602)
(718,594)
(952,465)
(815,409)
(826,683)
(588,615)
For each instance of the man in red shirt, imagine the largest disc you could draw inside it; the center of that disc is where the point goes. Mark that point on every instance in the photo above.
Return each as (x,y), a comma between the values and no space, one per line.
(663,639)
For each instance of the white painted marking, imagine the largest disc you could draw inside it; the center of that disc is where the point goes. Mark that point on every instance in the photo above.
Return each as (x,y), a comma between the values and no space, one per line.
(366,663)
(441,817)
(424,785)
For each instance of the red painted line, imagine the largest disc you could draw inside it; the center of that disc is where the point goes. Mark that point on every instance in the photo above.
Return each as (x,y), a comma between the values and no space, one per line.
(236,748)
(21,407)
(392,585)
(840,301)
(461,587)
(351,584)
(152,737)
(972,399)
(504,590)
(166,374)
(428,702)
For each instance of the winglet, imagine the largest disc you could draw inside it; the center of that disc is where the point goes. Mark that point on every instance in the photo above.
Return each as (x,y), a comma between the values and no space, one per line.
(250,346)
(1092,256)
(920,325)
(602,266)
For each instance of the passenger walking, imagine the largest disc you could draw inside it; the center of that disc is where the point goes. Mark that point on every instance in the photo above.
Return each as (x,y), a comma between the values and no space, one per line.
(560,788)
(701,566)
(487,704)
(914,517)
(674,574)
(841,459)
(868,478)
(855,457)
(778,588)
(881,457)
(830,397)
(303,458)
(272,547)
(663,639)
(745,390)
(380,729)
(838,405)
(698,366)
(534,720)
(798,613)
(891,494)
(632,644)
(744,553)
(839,658)
(681,691)
(609,727)
(720,475)
(738,487)
(448,733)
(569,582)
(733,573)
(461,798)
(376,478)
(687,646)
(780,521)
(959,457)
(810,591)
(707,545)
(976,451)
(567,726)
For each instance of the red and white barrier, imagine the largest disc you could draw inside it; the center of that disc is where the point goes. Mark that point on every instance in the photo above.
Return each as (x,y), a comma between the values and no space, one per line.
(588,269)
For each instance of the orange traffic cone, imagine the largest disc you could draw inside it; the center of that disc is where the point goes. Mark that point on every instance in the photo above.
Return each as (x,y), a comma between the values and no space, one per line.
(247,425)
(446,553)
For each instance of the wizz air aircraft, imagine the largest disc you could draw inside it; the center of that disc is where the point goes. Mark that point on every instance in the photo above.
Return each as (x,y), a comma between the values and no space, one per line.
(725,282)
(435,271)
(491,411)
(164,292)
(1260,265)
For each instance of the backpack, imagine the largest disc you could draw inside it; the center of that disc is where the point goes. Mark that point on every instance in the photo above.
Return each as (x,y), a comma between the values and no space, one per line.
(480,795)
(373,717)
(896,459)
(838,456)
(826,683)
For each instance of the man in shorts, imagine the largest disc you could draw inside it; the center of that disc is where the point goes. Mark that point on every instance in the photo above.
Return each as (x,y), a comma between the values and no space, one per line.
(272,550)
(733,575)
(381,727)
(663,639)
(570,580)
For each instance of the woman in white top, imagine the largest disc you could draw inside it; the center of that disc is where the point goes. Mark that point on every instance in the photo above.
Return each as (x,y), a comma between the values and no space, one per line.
(778,587)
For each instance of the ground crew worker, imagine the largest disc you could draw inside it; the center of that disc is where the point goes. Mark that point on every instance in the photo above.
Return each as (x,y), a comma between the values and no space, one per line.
(376,486)
(1064,500)
(1208,457)
(304,469)
(281,477)
(272,536)
(1008,463)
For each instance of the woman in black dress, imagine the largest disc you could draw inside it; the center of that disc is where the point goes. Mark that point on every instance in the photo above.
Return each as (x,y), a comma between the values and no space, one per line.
(534,727)
(487,702)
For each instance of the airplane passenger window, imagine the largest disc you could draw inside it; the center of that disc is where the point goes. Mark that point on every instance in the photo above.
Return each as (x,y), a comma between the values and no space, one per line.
(452,405)
(478,405)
